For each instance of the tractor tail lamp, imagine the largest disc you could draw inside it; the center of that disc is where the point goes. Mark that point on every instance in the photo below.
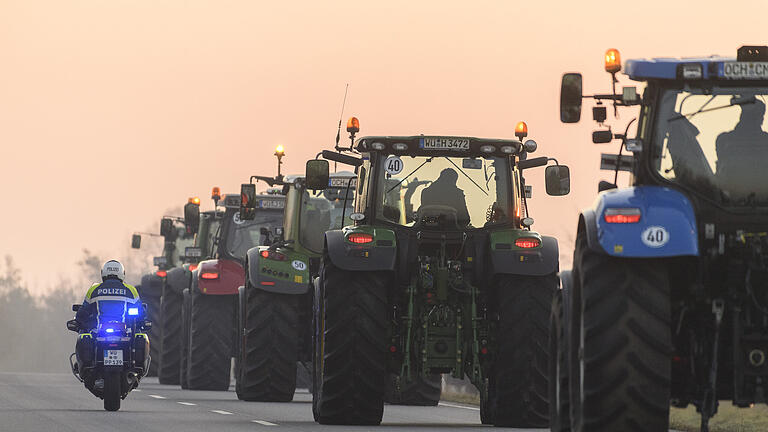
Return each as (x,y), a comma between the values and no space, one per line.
(161,273)
(360,238)
(272,255)
(209,275)
(622,215)
(612,61)
(527,242)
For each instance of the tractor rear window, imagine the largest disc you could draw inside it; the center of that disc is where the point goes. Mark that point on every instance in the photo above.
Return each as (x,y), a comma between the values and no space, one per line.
(716,143)
(322,211)
(244,235)
(470,191)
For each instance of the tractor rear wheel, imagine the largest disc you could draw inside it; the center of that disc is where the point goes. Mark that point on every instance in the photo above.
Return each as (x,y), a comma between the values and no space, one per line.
(270,346)
(559,403)
(519,376)
(622,372)
(350,364)
(210,342)
(419,392)
(186,309)
(170,337)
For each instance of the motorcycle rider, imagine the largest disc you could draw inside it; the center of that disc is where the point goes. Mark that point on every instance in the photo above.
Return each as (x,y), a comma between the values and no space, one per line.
(110,289)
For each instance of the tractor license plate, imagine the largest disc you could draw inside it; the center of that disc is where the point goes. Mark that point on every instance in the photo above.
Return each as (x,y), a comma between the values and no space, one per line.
(444,143)
(745,70)
(113,357)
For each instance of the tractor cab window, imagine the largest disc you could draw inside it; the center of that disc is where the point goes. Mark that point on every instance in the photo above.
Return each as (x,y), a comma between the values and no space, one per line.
(715,142)
(453,192)
(322,211)
(244,235)
(181,245)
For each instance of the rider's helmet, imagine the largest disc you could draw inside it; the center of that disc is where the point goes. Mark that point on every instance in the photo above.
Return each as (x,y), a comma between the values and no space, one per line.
(113,270)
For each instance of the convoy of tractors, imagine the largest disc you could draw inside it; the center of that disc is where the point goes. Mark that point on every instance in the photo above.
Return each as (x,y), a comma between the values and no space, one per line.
(398,260)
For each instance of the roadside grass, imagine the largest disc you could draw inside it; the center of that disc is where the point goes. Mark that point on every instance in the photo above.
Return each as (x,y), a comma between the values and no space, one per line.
(728,419)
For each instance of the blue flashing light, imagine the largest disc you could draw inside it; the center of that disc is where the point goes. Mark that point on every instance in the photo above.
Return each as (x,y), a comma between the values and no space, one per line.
(133,311)
(110,330)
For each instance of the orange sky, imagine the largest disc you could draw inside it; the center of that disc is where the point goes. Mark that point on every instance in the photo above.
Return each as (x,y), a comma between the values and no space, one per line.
(113,111)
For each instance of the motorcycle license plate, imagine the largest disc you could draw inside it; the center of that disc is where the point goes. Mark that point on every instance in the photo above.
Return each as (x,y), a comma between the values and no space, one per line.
(113,357)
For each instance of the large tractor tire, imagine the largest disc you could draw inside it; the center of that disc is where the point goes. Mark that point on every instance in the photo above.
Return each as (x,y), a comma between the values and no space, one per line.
(625,343)
(559,402)
(171,336)
(150,291)
(186,310)
(519,380)
(211,341)
(350,362)
(270,346)
(419,392)
(112,390)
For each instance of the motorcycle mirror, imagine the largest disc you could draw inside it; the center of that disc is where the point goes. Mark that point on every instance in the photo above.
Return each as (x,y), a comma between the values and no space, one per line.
(76,307)
(72,325)
(147,325)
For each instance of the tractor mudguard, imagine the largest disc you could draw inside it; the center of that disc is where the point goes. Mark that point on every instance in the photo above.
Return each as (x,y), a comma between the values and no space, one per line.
(288,276)
(667,225)
(177,279)
(218,277)
(530,262)
(151,285)
(379,254)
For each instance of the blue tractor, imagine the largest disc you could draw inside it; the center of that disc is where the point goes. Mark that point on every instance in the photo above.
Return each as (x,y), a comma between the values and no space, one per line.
(667,302)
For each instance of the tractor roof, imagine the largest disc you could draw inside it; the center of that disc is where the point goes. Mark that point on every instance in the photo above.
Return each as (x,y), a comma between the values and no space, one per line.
(439,145)
(750,64)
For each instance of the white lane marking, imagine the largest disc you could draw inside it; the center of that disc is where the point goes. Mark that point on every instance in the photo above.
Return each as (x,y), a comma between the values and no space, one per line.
(221,412)
(458,406)
(263,422)
(186,403)
(157,396)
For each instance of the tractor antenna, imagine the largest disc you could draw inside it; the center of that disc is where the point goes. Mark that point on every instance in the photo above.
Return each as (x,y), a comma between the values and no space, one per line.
(341,116)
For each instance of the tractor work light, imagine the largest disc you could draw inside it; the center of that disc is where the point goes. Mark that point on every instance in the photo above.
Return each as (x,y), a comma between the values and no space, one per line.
(209,275)
(622,215)
(161,273)
(527,242)
(272,255)
(400,146)
(507,149)
(521,130)
(353,125)
(216,193)
(487,149)
(612,61)
(378,146)
(360,238)
(279,151)
(690,71)
(133,311)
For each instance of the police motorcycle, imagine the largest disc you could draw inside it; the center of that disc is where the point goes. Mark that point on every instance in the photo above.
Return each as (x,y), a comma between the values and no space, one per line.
(114,356)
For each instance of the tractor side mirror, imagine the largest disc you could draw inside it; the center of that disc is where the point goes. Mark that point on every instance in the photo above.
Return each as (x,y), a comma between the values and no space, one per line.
(247,201)
(72,325)
(570,98)
(76,307)
(558,180)
(191,217)
(317,174)
(136,241)
(166,227)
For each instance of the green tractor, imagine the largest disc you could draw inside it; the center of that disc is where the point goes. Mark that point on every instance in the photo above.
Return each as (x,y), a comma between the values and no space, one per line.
(440,273)
(276,302)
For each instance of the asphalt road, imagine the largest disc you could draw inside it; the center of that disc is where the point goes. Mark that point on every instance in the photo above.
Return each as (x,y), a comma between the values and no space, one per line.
(57,402)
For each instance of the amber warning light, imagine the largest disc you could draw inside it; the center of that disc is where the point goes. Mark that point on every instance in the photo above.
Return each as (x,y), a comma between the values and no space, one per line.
(194,200)
(521,130)
(612,61)
(353,125)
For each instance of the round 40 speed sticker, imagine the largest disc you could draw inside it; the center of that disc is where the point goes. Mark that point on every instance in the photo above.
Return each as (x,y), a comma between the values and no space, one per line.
(655,236)
(393,165)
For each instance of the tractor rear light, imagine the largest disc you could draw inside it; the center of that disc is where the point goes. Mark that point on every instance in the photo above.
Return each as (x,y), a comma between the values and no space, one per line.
(622,215)
(483,350)
(276,256)
(392,349)
(267,283)
(192,267)
(360,238)
(209,275)
(527,242)
(161,273)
